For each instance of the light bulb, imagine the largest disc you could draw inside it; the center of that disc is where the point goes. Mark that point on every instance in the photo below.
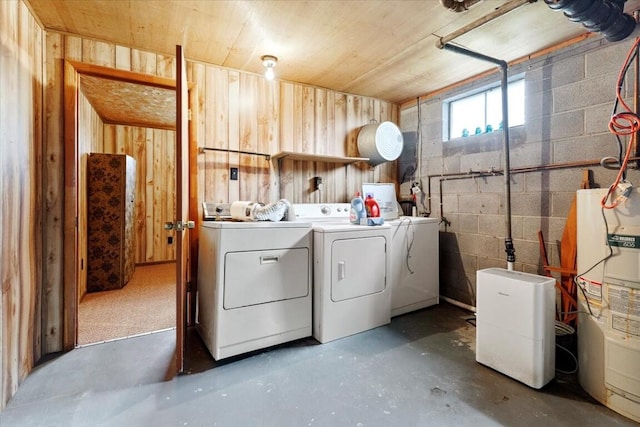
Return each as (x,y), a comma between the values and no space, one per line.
(269,61)
(268,74)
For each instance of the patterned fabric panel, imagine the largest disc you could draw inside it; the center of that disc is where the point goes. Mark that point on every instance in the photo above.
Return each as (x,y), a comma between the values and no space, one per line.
(107,219)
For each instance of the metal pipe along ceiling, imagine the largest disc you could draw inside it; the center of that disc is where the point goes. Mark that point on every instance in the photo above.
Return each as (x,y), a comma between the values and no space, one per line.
(508,241)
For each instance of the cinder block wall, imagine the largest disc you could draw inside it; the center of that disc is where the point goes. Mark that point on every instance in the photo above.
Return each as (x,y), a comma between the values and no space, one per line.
(569,98)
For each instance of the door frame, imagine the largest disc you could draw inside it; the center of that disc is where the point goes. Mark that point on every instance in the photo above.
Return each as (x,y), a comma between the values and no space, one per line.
(72,72)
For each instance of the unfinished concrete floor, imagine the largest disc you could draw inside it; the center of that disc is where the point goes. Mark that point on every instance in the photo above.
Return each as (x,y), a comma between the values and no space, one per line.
(418,371)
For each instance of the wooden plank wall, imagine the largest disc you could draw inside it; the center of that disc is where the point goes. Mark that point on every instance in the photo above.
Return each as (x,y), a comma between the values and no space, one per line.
(154,151)
(21,85)
(249,113)
(89,140)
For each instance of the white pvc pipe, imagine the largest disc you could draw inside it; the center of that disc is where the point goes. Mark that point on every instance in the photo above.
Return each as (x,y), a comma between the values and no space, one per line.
(459,304)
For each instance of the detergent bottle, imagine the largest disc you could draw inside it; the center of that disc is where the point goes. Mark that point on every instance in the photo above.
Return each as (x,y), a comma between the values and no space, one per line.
(357,211)
(372,207)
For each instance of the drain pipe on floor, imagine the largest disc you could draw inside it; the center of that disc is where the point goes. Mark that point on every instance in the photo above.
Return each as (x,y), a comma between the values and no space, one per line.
(508,241)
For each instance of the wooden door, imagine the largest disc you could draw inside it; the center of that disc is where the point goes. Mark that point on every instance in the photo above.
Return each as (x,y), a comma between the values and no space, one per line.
(182,204)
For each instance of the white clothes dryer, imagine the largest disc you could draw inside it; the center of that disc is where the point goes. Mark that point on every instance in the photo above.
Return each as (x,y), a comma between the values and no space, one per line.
(351,288)
(254,285)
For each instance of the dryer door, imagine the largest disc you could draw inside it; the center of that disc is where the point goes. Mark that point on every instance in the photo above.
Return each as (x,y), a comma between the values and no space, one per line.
(260,277)
(358,267)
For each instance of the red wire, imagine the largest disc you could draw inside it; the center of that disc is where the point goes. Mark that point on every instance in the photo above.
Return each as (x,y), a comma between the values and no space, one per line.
(625,123)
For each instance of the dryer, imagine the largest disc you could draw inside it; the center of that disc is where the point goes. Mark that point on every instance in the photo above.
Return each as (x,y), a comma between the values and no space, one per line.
(351,287)
(254,285)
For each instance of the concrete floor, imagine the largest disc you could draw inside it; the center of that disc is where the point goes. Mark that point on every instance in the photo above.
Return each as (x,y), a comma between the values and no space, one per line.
(418,371)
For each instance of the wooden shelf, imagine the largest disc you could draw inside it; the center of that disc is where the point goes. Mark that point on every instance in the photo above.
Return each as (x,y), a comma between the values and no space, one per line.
(317,157)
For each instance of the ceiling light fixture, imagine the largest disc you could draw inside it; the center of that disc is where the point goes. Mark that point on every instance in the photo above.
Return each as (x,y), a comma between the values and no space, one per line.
(269,62)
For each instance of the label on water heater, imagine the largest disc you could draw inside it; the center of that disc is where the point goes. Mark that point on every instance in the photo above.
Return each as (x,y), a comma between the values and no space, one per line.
(592,288)
(625,301)
(626,325)
(624,241)
(624,304)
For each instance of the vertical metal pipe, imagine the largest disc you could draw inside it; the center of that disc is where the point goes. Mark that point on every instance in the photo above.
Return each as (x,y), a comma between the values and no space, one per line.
(508,241)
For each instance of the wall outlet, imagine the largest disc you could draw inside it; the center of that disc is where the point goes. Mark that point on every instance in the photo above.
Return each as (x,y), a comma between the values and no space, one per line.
(233,174)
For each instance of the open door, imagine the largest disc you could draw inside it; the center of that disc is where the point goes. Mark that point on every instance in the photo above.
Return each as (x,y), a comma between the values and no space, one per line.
(182,204)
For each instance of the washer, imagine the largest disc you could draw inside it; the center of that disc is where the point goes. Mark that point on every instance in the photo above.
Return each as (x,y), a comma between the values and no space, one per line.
(351,287)
(415,264)
(254,285)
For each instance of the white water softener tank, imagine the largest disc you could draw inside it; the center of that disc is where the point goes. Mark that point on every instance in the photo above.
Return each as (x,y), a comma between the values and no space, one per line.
(609,300)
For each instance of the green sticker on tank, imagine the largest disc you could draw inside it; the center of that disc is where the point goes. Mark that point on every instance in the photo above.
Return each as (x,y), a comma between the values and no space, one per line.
(624,241)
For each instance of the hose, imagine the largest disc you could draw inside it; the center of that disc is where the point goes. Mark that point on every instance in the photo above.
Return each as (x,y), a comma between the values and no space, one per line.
(602,16)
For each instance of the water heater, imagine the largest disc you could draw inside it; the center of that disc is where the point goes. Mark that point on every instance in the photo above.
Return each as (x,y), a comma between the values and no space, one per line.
(609,300)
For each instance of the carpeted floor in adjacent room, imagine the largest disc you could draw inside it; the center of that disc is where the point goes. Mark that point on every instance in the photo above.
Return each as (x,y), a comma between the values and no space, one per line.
(146,304)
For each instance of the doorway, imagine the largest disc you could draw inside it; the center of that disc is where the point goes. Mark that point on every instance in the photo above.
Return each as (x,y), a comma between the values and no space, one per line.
(117,115)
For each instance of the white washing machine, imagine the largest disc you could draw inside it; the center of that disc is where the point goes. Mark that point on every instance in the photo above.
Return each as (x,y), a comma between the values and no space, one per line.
(254,285)
(352,265)
(415,264)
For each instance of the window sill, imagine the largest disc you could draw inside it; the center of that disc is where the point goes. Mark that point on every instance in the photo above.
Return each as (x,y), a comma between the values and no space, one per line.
(491,141)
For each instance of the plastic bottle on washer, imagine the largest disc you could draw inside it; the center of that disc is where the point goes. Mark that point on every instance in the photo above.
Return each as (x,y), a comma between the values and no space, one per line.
(357,211)
(373,209)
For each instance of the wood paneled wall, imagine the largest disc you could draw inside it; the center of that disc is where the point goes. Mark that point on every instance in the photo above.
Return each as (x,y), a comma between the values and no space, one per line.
(249,113)
(21,114)
(89,140)
(154,151)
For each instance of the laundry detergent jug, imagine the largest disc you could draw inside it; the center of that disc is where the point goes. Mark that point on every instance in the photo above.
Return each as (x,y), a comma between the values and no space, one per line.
(372,207)
(358,212)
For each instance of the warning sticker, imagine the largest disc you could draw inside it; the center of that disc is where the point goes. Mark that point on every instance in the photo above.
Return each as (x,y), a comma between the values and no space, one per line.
(592,288)
(625,324)
(624,301)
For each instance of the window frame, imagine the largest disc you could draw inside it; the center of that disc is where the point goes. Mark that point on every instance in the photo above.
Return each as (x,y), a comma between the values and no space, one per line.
(483,90)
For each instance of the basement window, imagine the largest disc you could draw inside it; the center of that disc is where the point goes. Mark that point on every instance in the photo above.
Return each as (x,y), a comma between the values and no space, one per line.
(479,112)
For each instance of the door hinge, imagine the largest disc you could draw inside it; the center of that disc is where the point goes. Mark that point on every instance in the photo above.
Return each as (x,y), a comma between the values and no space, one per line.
(189,114)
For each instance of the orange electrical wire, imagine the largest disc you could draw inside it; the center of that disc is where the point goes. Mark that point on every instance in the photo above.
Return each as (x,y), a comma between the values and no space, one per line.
(625,123)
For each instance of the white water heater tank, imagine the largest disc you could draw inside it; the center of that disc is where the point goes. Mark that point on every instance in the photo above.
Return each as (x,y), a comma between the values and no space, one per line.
(515,324)
(609,300)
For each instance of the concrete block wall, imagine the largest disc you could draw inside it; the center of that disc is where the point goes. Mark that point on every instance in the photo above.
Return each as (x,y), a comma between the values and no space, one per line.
(569,96)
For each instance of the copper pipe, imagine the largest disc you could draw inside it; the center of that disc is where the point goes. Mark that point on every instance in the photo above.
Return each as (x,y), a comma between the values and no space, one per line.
(493,172)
